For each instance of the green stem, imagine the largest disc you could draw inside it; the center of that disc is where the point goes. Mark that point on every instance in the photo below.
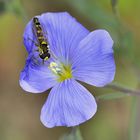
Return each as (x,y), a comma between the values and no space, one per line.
(75,134)
(132,124)
(123,89)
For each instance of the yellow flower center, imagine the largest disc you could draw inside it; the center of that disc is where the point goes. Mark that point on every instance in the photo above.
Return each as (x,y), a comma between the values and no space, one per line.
(62,71)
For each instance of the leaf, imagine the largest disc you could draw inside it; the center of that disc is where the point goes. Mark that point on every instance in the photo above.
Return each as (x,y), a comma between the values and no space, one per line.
(74,135)
(111,96)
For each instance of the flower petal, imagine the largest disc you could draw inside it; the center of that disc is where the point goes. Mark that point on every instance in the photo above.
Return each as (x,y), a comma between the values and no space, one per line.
(29,38)
(63,32)
(68,104)
(94,64)
(36,78)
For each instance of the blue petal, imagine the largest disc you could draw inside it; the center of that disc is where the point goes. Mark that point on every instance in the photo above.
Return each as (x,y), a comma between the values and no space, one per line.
(64,33)
(69,104)
(61,30)
(94,64)
(36,78)
(29,38)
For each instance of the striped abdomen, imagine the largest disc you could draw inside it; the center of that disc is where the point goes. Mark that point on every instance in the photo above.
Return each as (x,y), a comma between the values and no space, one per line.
(43,46)
(39,32)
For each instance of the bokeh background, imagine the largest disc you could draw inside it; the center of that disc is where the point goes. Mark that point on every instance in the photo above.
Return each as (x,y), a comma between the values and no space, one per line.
(118,116)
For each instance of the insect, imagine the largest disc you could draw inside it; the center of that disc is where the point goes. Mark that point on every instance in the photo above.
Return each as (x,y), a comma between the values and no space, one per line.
(43,46)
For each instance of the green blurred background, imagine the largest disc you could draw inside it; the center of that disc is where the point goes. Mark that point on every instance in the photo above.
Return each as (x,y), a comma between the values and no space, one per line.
(118,115)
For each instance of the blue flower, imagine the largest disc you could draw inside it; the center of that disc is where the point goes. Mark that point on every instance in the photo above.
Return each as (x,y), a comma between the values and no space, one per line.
(76,55)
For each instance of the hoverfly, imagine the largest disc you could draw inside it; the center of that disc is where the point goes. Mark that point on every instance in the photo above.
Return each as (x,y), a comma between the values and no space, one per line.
(43,46)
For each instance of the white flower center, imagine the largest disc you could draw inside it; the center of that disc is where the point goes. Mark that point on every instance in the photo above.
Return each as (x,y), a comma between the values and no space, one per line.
(62,71)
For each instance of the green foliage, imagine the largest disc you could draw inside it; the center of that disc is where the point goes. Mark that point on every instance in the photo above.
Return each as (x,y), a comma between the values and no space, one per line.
(16,7)
(110,19)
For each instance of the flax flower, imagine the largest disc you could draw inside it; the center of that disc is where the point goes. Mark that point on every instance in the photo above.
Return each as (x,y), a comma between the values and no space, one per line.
(76,55)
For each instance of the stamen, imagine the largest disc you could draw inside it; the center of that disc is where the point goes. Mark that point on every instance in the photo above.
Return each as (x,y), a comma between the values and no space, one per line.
(54,67)
(61,71)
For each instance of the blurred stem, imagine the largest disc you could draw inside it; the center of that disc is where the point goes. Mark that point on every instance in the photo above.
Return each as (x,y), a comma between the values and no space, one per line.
(132,120)
(75,134)
(123,89)
(114,4)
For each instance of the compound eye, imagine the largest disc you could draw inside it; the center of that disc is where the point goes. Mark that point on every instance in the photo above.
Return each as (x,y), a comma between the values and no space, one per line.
(44,56)
(44,45)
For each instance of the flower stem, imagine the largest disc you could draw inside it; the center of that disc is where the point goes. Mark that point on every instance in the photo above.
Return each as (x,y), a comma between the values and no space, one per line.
(123,89)
(75,134)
